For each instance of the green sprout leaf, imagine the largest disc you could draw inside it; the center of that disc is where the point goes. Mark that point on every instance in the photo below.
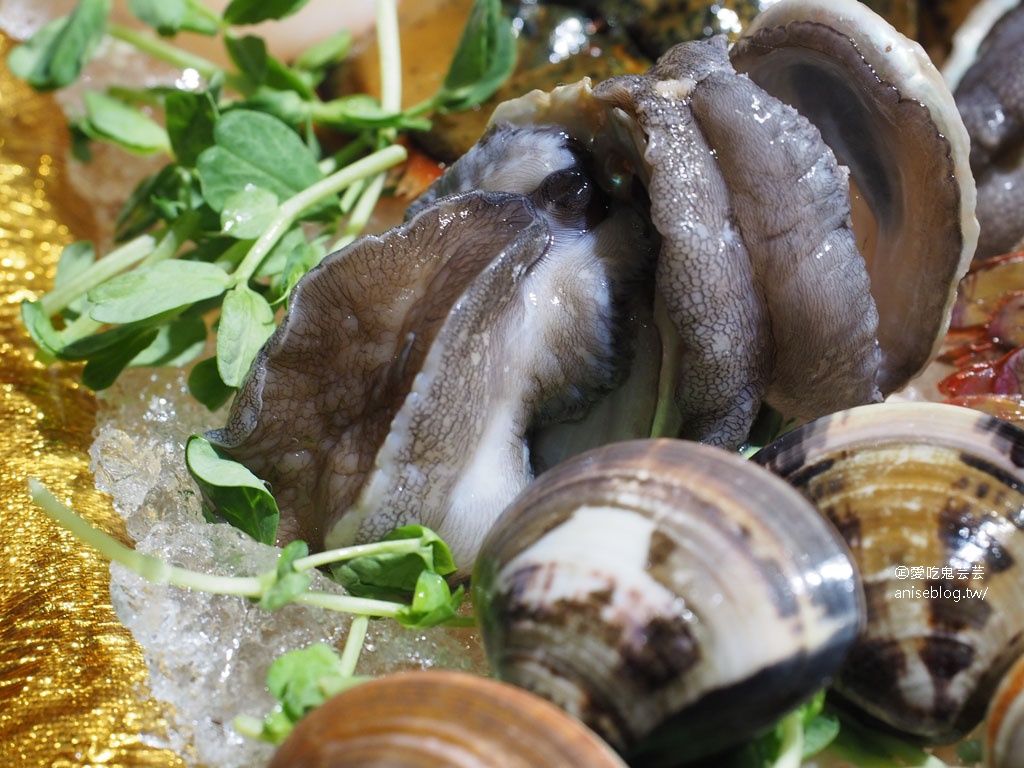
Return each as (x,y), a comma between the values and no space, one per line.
(258,149)
(484,59)
(248,212)
(433,603)
(288,582)
(255,11)
(169,17)
(233,491)
(206,385)
(393,576)
(149,291)
(109,119)
(246,322)
(55,55)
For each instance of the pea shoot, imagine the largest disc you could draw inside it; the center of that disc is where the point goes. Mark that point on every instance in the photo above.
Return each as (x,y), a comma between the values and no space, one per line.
(249,200)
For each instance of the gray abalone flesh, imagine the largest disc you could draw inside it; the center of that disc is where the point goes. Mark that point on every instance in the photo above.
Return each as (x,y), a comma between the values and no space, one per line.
(654,254)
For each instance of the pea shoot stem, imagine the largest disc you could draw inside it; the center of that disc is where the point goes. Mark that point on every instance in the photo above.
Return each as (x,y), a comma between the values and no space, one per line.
(156,571)
(162,51)
(102,270)
(293,207)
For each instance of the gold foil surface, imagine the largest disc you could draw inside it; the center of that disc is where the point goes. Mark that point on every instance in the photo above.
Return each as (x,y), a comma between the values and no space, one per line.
(72,680)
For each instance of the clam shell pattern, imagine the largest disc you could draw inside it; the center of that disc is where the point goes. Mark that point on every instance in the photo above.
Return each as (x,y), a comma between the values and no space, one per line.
(930,499)
(1004,725)
(650,588)
(426,719)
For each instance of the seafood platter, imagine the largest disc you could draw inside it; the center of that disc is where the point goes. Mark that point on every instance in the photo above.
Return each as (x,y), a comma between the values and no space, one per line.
(690,349)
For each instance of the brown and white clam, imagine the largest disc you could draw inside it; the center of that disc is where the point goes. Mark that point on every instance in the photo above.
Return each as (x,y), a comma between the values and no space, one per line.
(930,499)
(1004,723)
(440,719)
(417,371)
(671,595)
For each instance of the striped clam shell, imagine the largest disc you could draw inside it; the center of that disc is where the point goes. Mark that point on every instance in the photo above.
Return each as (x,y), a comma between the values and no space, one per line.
(930,499)
(1004,724)
(440,719)
(669,594)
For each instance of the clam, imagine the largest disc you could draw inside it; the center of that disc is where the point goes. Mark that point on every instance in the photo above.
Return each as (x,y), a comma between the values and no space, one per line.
(1004,724)
(673,596)
(440,719)
(930,499)
(680,231)
(987,71)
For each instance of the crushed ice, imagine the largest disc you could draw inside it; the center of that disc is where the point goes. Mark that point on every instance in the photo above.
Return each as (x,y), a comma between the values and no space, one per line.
(208,655)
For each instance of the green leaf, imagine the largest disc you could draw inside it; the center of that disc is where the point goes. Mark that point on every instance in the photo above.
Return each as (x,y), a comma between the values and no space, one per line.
(234,493)
(288,583)
(190,118)
(257,149)
(433,603)
(108,119)
(360,111)
(55,55)
(152,290)
(248,213)
(47,339)
(255,11)
(249,54)
(177,343)
(483,60)
(819,732)
(168,17)
(246,322)
(103,368)
(303,680)
(206,386)
(329,51)
(74,260)
(393,576)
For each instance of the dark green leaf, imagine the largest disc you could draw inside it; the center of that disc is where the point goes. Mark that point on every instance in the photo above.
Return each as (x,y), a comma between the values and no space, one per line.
(177,343)
(55,55)
(98,345)
(483,60)
(139,212)
(206,386)
(232,491)
(254,148)
(153,290)
(168,17)
(970,751)
(248,213)
(246,322)
(103,368)
(108,119)
(393,576)
(283,77)
(189,118)
(255,11)
(249,54)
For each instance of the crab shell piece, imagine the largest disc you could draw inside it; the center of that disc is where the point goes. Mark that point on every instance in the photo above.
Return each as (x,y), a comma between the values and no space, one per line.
(427,719)
(672,595)
(930,499)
